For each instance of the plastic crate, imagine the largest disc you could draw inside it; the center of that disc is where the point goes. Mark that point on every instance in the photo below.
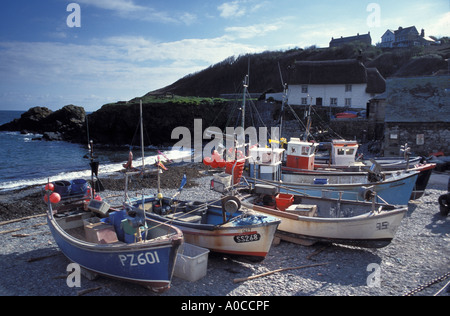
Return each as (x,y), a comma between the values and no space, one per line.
(221,182)
(192,262)
(283,201)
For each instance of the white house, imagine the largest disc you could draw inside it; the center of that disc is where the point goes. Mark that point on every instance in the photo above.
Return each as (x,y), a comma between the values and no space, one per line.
(405,37)
(388,39)
(337,83)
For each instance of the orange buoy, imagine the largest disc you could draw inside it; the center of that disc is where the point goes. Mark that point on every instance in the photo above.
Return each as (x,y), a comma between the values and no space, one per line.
(55,198)
(49,187)
(207,161)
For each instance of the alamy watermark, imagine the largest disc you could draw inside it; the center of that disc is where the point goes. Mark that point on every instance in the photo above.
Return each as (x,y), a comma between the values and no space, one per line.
(374,278)
(235,139)
(74,277)
(374,18)
(74,18)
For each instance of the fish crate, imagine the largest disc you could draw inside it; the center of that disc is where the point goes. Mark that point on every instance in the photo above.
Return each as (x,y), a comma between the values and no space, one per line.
(283,201)
(192,262)
(221,182)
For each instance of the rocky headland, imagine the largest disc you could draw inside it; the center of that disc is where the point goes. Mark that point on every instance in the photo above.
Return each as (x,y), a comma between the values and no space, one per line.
(118,123)
(66,124)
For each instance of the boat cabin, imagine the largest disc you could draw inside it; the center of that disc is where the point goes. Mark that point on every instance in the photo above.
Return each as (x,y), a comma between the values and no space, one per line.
(300,154)
(343,152)
(265,163)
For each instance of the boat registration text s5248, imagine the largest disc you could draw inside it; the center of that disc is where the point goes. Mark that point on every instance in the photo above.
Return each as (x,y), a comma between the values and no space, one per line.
(247,238)
(142,259)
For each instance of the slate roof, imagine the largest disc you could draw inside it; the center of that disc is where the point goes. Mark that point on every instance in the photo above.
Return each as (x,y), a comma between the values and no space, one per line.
(357,38)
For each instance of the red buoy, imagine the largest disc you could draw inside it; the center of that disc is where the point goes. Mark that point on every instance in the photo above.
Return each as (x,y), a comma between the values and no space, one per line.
(55,198)
(49,187)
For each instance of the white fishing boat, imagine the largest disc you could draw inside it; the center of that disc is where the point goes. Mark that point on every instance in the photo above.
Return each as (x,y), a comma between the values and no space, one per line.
(391,188)
(221,226)
(364,224)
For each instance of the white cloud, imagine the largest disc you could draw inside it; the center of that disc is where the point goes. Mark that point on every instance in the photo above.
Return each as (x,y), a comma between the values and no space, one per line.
(202,51)
(114,5)
(117,68)
(129,10)
(239,8)
(231,9)
(251,31)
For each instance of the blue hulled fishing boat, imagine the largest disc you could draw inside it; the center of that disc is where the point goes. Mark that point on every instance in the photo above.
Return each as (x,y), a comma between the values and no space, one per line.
(121,244)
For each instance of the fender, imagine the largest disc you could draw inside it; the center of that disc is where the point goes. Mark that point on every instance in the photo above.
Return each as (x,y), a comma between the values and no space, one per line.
(129,163)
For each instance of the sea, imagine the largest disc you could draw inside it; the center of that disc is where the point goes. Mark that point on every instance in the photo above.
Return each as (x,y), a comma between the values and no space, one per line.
(25,161)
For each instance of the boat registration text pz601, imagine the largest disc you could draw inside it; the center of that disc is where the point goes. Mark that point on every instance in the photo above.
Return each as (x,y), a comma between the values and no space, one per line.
(141,259)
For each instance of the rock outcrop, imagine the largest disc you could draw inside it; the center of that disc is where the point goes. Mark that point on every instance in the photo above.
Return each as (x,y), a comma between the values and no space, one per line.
(118,123)
(66,124)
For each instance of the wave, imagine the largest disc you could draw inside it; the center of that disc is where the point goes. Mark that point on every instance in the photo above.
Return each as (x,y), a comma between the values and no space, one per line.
(175,154)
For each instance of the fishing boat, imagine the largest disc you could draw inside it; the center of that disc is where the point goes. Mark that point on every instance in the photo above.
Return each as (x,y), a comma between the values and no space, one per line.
(394,188)
(116,243)
(310,220)
(221,226)
(301,159)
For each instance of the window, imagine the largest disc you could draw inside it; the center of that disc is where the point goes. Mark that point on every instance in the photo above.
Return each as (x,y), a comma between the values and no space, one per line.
(305,88)
(348,102)
(348,88)
(345,151)
(420,139)
(304,101)
(305,150)
(333,101)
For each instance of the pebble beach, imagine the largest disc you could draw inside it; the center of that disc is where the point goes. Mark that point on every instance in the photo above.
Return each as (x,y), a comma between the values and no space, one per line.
(416,262)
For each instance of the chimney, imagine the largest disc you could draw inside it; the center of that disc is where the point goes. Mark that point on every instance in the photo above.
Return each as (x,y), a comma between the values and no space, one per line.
(422,33)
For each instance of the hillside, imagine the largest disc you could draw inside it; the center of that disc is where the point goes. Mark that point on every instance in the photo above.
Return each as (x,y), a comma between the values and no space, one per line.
(226,77)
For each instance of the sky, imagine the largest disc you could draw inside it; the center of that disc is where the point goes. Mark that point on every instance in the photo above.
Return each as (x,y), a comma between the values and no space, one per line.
(92,52)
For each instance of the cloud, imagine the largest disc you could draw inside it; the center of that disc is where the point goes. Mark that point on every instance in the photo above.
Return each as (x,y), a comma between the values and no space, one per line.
(129,10)
(116,68)
(239,8)
(114,5)
(231,9)
(201,51)
(251,31)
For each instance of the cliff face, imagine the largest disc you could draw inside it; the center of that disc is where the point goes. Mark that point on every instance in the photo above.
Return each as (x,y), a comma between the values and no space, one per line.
(118,124)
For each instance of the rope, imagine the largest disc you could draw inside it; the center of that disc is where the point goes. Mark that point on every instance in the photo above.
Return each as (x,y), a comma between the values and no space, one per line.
(423,287)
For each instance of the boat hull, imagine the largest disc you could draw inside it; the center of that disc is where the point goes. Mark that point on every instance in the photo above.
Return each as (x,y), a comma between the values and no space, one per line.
(370,229)
(252,241)
(321,171)
(396,190)
(244,235)
(149,264)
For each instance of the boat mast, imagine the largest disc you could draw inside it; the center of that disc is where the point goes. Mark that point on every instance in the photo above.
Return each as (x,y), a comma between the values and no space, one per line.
(308,123)
(283,102)
(246,80)
(246,83)
(142,137)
